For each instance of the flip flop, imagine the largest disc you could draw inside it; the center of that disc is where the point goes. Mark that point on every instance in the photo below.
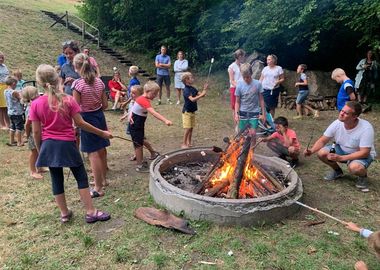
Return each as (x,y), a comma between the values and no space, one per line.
(67,218)
(96,194)
(104,216)
(156,154)
(11,144)
(133,158)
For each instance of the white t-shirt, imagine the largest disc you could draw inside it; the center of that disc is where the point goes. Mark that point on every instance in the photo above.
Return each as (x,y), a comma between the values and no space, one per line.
(271,75)
(351,140)
(236,70)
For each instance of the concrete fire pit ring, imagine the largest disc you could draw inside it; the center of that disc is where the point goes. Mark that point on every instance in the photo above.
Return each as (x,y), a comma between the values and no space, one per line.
(244,212)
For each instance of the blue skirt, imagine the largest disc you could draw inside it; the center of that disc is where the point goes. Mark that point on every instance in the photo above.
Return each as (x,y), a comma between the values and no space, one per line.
(89,142)
(55,153)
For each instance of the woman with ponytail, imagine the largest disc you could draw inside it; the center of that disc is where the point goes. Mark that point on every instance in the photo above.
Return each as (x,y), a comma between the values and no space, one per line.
(89,92)
(52,116)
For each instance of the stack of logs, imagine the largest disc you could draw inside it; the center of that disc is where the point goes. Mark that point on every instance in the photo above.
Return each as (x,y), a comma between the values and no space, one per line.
(320,103)
(263,185)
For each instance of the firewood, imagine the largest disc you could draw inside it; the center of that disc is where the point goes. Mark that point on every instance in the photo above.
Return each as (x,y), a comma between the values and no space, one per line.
(269,177)
(215,189)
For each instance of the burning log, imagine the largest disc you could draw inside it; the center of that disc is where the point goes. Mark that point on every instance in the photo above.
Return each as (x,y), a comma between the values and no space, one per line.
(233,192)
(269,177)
(217,188)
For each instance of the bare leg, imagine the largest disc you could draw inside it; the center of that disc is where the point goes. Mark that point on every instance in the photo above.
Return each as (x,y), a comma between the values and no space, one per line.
(149,147)
(185,138)
(97,167)
(60,199)
(322,155)
(299,109)
(86,199)
(178,95)
(2,119)
(32,165)
(117,97)
(19,138)
(189,137)
(357,169)
(139,155)
(11,137)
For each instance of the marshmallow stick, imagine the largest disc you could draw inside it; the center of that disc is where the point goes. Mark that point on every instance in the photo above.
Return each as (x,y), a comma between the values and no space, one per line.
(209,70)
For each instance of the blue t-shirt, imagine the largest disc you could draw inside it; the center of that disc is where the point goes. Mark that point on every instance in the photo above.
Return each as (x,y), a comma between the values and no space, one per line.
(249,95)
(19,84)
(68,70)
(132,82)
(188,105)
(13,104)
(61,60)
(345,90)
(163,59)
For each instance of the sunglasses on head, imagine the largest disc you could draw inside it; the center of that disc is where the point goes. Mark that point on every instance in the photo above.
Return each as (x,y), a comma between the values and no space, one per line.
(67,42)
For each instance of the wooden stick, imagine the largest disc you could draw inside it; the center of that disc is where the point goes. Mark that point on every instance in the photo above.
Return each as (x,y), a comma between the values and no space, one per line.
(321,212)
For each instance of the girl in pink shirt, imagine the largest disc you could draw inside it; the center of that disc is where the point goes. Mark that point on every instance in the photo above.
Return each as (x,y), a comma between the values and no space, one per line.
(89,92)
(52,115)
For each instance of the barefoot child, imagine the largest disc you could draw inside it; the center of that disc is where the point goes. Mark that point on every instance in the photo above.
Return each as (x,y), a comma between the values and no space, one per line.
(89,93)
(15,112)
(373,242)
(137,122)
(52,118)
(284,141)
(29,94)
(190,106)
(303,92)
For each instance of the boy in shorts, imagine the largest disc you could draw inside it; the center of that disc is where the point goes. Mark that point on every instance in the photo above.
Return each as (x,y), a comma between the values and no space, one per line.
(15,111)
(249,101)
(190,106)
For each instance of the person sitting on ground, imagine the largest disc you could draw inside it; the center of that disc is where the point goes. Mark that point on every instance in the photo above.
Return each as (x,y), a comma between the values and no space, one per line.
(373,242)
(354,146)
(303,92)
(284,141)
(249,101)
(15,112)
(346,90)
(137,122)
(117,88)
(92,61)
(190,106)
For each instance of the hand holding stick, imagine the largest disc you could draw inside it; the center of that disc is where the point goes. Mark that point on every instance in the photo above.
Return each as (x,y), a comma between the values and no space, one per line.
(209,70)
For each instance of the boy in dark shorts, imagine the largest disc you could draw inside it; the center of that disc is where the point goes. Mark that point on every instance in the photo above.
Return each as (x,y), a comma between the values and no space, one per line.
(140,110)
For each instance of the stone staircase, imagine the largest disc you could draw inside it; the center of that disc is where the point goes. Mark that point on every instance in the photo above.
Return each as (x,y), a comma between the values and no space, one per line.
(93,39)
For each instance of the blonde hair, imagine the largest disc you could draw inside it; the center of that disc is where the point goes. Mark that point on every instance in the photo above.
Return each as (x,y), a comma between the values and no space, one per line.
(337,72)
(28,94)
(2,54)
(9,80)
(85,70)
(47,78)
(374,242)
(274,57)
(246,70)
(133,70)
(17,73)
(138,89)
(238,53)
(185,76)
(151,86)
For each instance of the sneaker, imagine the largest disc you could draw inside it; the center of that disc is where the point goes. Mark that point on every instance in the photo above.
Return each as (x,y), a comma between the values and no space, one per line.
(362,184)
(169,101)
(142,168)
(297,117)
(158,102)
(332,175)
(178,102)
(316,114)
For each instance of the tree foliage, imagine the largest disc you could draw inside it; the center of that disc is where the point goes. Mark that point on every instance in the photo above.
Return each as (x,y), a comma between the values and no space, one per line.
(321,32)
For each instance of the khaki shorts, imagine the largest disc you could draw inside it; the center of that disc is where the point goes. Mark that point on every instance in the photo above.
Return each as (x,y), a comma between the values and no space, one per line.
(188,120)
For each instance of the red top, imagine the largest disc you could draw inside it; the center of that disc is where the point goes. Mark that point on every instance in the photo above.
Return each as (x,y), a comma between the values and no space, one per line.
(291,135)
(116,85)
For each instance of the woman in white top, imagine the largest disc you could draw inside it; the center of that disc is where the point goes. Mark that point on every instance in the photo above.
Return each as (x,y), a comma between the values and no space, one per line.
(366,77)
(235,76)
(180,66)
(271,78)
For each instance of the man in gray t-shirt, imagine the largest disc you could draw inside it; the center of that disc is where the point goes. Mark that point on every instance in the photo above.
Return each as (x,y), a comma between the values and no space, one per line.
(354,145)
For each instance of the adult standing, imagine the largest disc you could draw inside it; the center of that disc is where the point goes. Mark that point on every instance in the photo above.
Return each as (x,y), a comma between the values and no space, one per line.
(163,64)
(4,73)
(366,77)
(92,61)
(271,78)
(354,145)
(234,76)
(68,73)
(180,66)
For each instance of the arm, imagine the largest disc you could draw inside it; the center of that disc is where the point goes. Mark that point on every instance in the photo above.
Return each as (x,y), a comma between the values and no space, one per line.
(28,128)
(237,109)
(104,101)
(266,139)
(262,106)
(159,116)
(321,142)
(200,95)
(360,65)
(352,96)
(98,72)
(362,153)
(231,76)
(61,84)
(79,122)
(16,94)
(76,96)
(185,65)
(281,79)
(36,126)
(301,83)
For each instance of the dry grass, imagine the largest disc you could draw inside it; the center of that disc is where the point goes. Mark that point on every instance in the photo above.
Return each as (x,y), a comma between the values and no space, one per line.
(31,236)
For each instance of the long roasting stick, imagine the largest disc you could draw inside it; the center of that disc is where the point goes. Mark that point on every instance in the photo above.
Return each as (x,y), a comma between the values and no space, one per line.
(321,212)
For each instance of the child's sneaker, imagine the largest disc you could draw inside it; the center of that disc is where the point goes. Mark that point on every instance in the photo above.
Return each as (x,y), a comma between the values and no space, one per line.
(362,183)
(316,114)
(158,102)
(169,101)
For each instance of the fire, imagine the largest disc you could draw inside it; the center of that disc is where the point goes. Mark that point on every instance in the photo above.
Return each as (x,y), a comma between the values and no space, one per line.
(253,183)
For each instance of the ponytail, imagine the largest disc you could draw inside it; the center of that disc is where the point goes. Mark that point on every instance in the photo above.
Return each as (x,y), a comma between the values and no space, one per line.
(84,67)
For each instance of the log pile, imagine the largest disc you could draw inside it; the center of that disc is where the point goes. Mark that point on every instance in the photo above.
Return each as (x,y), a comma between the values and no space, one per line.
(320,103)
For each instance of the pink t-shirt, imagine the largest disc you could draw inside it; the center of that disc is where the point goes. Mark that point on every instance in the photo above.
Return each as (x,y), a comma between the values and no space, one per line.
(93,62)
(90,95)
(55,125)
(291,134)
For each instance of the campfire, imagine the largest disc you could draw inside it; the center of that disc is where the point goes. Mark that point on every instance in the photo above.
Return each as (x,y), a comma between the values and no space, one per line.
(237,175)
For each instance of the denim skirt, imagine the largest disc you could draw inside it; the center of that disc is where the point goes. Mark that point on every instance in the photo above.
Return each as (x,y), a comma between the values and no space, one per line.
(56,153)
(89,142)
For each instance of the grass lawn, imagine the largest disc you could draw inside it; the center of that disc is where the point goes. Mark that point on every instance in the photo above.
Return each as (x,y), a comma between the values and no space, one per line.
(31,236)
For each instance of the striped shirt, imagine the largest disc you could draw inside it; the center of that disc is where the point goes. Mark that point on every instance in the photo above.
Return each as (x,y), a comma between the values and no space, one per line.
(90,95)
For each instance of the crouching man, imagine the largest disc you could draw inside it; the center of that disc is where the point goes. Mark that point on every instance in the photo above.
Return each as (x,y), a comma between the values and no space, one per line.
(354,146)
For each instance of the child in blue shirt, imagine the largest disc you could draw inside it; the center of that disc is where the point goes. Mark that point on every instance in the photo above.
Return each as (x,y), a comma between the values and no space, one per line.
(18,74)
(346,90)
(190,106)
(15,112)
